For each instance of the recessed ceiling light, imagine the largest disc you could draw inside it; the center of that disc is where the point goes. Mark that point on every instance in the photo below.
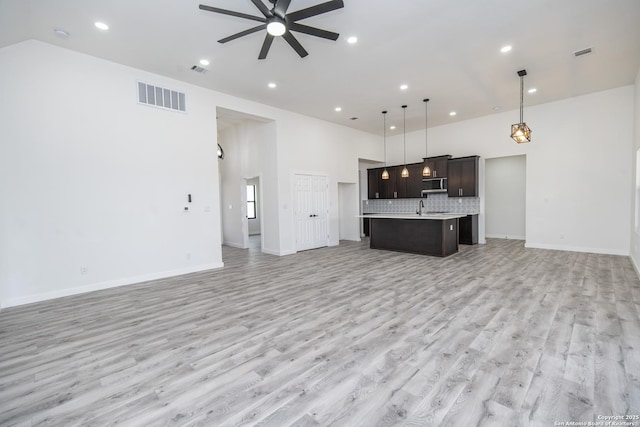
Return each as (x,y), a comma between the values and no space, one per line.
(506,49)
(352,40)
(61,33)
(204,62)
(101,26)
(453,113)
(392,127)
(338,109)
(404,87)
(532,90)
(272,85)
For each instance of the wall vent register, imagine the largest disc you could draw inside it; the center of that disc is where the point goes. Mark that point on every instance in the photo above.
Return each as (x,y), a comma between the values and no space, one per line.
(161,97)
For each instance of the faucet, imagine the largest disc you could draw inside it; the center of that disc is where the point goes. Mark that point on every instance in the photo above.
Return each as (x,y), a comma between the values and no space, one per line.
(420,206)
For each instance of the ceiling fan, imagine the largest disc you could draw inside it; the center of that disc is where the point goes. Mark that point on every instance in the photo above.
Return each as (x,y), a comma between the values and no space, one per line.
(278,22)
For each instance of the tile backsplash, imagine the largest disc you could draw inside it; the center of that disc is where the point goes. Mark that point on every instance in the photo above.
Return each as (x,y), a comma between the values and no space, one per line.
(434,202)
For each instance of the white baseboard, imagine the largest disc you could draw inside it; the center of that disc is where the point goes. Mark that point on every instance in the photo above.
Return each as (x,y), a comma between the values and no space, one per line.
(635,265)
(576,249)
(502,236)
(234,245)
(12,302)
(277,252)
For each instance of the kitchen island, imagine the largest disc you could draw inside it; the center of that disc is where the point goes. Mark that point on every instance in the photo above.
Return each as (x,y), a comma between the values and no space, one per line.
(427,234)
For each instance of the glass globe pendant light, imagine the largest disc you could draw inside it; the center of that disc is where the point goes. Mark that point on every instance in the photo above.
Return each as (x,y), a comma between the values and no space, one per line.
(520,132)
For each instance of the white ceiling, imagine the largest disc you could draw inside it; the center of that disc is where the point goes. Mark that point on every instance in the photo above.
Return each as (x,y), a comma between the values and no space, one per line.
(448,51)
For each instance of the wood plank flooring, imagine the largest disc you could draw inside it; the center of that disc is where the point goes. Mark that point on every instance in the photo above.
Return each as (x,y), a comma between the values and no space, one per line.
(345,336)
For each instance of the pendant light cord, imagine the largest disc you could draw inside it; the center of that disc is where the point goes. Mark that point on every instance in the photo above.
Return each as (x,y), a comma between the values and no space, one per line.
(426,126)
(521,97)
(384,135)
(404,128)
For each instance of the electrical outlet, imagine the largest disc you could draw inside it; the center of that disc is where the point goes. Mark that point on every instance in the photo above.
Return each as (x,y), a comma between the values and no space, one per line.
(84,271)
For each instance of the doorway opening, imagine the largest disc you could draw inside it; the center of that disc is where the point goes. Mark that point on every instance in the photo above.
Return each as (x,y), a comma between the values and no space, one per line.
(247,208)
(253,238)
(505,197)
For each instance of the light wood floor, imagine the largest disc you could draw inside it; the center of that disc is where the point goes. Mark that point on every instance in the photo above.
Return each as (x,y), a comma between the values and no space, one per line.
(346,336)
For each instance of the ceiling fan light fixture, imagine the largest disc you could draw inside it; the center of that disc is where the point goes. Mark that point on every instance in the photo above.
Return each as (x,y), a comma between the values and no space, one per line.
(276,26)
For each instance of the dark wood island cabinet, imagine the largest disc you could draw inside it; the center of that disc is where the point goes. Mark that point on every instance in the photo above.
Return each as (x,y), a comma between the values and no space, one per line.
(429,234)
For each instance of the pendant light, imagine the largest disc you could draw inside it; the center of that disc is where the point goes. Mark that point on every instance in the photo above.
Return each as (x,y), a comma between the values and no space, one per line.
(385,172)
(427,170)
(520,132)
(405,171)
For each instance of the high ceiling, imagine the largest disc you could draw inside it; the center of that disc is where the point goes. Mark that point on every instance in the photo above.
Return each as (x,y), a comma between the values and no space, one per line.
(448,51)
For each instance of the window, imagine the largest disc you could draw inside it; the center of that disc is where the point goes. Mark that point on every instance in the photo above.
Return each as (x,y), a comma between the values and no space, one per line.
(251,201)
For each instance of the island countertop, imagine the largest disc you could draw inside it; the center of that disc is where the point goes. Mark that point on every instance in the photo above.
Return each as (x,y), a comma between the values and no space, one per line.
(407,215)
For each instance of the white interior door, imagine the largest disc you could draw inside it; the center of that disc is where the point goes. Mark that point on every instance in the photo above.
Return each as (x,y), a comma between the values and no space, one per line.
(311,211)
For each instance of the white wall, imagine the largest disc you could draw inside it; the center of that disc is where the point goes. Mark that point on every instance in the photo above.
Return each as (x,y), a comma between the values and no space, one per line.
(349,222)
(635,192)
(307,146)
(569,204)
(89,178)
(505,197)
(231,187)
(92,180)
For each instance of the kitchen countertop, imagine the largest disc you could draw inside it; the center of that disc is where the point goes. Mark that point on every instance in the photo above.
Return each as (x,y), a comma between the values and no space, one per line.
(413,215)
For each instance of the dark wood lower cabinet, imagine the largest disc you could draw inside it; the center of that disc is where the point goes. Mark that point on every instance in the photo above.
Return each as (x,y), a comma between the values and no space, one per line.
(365,226)
(469,230)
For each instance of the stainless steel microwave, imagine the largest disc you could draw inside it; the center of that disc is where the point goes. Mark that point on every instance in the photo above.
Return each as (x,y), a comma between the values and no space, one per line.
(434,185)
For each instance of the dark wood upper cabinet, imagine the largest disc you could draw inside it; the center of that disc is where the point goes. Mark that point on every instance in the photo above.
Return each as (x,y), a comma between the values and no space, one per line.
(438,165)
(373,183)
(388,188)
(462,174)
(462,177)
(414,182)
(401,184)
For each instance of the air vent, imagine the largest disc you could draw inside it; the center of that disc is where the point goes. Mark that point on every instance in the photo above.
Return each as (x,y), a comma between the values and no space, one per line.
(160,97)
(198,69)
(582,52)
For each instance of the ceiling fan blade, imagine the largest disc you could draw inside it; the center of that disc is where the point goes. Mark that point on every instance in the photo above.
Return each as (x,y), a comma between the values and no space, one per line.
(281,8)
(243,33)
(295,44)
(294,26)
(232,13)
(265,11)
(315,10)
(266,46)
